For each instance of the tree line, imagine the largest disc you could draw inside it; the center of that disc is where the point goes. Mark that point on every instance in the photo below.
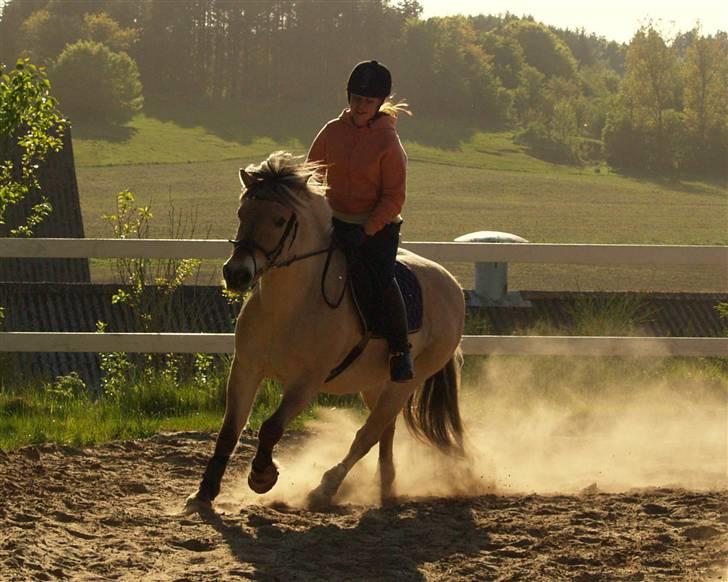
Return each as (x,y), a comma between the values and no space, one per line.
(656,103)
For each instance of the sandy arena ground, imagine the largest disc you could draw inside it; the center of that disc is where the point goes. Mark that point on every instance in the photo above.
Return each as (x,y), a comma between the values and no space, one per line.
(112,512)
(617,481)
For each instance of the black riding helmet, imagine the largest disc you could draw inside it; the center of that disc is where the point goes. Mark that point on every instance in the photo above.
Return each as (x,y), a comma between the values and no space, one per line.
(370,79)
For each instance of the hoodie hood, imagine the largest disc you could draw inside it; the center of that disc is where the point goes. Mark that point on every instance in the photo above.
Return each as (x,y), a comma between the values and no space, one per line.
(379,121)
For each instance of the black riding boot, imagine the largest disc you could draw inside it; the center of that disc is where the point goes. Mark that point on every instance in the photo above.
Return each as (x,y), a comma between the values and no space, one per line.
(401,366)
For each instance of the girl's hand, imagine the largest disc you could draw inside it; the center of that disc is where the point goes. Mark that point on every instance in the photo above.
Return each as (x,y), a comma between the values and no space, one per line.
(369,231)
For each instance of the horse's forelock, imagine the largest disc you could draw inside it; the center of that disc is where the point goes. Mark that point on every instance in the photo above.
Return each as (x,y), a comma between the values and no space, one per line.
(287,176)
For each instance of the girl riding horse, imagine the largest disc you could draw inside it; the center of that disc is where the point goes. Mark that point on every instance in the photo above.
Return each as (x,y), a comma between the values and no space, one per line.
(289,330)
(366,170)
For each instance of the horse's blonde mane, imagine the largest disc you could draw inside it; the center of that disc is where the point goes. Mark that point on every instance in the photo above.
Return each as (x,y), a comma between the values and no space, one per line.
(287,177)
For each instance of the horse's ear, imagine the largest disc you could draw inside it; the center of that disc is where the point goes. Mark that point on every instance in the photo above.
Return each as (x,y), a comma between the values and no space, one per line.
(246,179)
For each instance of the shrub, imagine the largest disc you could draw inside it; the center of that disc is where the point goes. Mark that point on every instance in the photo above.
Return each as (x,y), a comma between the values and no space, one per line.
(587,150)
(625,146)
(150,295)
(95,84)
(722,309)
(541,144)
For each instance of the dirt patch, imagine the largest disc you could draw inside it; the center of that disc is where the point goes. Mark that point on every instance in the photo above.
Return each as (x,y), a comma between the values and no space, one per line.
(112,512)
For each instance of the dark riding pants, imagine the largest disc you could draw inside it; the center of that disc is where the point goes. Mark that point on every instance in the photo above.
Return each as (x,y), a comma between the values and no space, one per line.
(379,253)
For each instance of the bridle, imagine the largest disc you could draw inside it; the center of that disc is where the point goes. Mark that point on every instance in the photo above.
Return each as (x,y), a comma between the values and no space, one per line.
(291,230)
(271,256)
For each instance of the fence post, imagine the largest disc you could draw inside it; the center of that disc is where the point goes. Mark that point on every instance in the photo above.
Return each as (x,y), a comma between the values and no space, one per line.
(491,278)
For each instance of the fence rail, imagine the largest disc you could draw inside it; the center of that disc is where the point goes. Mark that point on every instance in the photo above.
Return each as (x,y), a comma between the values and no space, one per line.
(223,343)
(579,254)
(574,254)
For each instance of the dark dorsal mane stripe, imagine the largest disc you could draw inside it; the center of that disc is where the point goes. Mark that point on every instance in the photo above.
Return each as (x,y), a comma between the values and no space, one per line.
(270,190)
(283,178)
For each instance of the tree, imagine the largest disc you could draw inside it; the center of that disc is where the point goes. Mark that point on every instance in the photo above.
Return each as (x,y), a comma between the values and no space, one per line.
(128,13)
(104,29)
(443,55)
(706,100)
(599,86)
(96,84)
(542,49)
(562,108)
(625,145)
(529,96)
(650,86)
(14,13)
(30,122)
(508,59)
(410,8)
(44,34)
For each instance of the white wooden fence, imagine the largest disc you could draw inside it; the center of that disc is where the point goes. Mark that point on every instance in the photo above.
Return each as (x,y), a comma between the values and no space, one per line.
(574,254)
(577,254)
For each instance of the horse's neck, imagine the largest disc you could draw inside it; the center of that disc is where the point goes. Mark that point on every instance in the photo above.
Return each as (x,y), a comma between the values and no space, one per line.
(285,291)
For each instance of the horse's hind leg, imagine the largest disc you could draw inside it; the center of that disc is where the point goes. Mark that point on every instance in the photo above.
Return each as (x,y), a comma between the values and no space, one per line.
(386,464)
(380,420)
(386,458)
(241,389)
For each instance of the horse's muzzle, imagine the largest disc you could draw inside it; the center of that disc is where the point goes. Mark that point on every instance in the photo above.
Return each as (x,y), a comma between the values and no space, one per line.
(238,274)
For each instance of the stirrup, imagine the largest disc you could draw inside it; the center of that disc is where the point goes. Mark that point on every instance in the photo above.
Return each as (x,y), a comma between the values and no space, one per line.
(401,367)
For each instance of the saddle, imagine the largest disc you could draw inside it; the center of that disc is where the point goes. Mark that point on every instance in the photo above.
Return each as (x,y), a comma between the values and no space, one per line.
(365,297)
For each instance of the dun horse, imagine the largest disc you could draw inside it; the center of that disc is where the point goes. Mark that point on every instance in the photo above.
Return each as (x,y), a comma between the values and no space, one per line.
(289,330)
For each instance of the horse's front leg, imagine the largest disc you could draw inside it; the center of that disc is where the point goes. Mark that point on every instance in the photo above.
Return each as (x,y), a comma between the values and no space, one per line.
(263,471)
(242,386)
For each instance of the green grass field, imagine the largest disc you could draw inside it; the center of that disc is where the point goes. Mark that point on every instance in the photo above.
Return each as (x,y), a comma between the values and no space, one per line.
(459,182)
(39,412)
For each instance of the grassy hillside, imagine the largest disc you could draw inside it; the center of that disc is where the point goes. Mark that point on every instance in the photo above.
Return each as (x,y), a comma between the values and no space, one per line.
(148,140)
(459,182)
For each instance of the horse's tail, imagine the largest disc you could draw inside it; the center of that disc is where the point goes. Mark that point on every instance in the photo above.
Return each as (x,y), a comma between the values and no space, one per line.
(432,413)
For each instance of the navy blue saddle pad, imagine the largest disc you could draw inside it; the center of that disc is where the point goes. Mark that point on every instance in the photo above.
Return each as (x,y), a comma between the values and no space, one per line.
(369,305)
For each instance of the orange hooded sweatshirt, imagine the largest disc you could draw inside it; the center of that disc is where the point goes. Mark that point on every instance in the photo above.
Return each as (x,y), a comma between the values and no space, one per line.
(366,170)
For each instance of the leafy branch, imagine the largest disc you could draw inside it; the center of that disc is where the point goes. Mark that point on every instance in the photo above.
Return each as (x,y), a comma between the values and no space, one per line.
(31,121)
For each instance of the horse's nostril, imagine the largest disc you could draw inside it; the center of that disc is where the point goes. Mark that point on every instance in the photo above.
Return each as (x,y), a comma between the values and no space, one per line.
(237,277)
(245,278)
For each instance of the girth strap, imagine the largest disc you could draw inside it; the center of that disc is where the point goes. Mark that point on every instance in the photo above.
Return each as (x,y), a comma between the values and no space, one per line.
(350,357)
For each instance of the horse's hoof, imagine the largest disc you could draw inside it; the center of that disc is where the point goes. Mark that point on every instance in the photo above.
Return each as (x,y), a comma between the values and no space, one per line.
(317,500)
(196,504)
(263,481)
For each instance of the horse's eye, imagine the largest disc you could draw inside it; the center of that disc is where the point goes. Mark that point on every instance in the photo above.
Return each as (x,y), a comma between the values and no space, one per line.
(280,222)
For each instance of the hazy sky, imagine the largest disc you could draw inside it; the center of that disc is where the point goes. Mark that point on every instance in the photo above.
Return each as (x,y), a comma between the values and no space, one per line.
(614,19)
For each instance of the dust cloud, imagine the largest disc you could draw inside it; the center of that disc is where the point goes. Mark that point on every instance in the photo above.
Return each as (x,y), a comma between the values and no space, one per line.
(551,425)
(598,428)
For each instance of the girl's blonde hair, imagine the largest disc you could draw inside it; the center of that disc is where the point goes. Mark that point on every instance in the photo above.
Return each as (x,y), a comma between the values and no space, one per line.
(394,108)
